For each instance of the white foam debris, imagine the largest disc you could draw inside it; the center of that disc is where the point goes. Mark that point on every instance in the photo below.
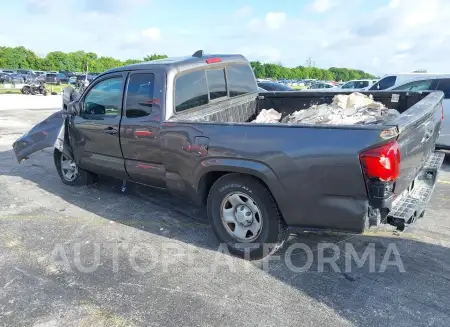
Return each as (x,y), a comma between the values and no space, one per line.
(268,116)
(352,109)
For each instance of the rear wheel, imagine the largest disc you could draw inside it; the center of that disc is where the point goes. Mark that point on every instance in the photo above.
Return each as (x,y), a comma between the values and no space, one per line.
(69,172)
(244,216)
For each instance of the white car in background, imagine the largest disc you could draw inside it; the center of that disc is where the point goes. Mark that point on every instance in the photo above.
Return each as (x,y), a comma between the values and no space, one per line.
(321,86)
(358,84)
(429,82)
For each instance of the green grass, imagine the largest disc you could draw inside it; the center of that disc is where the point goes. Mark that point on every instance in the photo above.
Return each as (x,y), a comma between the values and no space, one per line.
(55,88)
(9,91)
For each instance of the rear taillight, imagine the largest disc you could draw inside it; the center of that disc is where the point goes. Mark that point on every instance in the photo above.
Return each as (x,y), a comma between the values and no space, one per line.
(382,162)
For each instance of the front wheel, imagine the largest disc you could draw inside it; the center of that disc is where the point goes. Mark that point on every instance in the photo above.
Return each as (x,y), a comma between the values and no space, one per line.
(26,90)
(69,172)
(245,216)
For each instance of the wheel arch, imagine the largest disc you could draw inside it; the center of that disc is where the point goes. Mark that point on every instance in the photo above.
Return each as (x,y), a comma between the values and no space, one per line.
(210,170)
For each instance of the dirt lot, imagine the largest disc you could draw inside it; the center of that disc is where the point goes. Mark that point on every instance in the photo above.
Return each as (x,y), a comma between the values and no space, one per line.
(159,264)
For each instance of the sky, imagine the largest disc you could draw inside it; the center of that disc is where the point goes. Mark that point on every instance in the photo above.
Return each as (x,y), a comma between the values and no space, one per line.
(378,36)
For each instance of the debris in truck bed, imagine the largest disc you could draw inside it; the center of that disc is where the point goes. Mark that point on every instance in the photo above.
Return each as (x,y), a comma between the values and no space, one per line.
(352,109)
(268,116)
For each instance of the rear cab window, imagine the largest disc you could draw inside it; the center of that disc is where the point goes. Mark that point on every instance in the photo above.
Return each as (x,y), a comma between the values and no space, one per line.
(200,87)
(139,95)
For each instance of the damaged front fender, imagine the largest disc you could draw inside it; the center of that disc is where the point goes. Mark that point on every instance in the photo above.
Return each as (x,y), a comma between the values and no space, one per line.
(51,132)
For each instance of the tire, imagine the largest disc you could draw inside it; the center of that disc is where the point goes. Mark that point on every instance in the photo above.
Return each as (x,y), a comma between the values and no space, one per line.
(26,90)
(33,91)
(80,177)
(267,222)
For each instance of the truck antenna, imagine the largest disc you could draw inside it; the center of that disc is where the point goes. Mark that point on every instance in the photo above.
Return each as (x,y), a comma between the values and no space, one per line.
(198,54)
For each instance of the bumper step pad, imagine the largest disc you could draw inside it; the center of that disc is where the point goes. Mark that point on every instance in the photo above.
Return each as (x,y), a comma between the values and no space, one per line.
(412,206)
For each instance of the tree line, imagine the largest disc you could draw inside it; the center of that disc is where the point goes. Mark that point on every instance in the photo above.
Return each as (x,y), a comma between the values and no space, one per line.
(80,61)
(304,72)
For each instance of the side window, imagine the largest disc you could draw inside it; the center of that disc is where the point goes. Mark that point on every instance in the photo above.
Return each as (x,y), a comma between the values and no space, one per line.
(138,102)
(384,83)
(216,83)
(421,85)
(362,84)
(241,80)
(191,91)
(104,98)
(444,85)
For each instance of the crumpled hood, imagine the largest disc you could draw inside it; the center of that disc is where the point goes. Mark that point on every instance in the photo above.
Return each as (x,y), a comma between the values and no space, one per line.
(41,136)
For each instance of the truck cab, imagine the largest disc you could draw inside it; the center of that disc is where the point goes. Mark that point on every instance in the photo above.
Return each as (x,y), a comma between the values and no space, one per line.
(133,101)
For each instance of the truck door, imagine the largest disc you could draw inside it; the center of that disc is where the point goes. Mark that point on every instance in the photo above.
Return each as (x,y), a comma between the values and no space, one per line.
(140,128)
(95,131)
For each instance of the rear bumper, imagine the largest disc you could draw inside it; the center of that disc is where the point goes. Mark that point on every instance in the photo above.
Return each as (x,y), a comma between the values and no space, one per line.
(442,147)
(408,207)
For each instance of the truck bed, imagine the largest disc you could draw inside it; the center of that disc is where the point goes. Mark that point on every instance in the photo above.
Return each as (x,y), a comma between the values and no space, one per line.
(245,109)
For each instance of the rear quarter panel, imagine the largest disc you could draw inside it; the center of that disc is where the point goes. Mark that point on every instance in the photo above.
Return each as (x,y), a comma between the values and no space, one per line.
(314,173)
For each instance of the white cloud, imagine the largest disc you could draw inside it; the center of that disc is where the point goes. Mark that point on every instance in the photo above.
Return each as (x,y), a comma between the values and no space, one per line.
(400,35)
(274,20)
(321,6)
(263,53)
(243,11)
(152,33)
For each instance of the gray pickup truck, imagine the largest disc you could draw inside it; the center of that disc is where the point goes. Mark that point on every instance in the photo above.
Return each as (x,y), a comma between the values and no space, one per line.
(184,124)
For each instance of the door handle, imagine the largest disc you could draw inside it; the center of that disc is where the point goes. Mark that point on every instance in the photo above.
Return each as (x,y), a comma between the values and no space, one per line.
(110,130)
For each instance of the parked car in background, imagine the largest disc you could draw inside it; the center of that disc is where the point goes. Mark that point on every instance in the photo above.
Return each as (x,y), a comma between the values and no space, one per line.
(39,72)
(9,71)
(432,82)
(52,78)
(67,73)
(321,85)
(25,72)
(63,78)
(273,86)
(358,84)
(72,80)
(5,78)
(393,80)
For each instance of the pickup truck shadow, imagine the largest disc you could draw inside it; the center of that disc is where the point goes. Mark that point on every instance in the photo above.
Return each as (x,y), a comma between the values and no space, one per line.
(362,296)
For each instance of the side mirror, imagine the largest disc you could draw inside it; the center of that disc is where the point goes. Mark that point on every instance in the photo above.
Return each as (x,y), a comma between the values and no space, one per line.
(73,108)
(75,95)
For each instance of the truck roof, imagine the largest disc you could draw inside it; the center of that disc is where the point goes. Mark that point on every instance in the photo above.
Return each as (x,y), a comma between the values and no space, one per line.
(198,59)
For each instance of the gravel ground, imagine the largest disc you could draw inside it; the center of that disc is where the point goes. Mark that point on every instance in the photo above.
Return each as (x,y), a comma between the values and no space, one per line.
(160,265)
